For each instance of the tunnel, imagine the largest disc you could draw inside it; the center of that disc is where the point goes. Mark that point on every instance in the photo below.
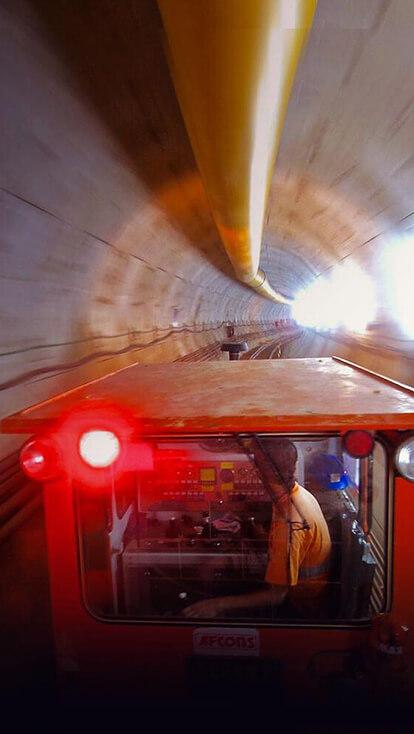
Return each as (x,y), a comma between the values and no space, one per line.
(113,252)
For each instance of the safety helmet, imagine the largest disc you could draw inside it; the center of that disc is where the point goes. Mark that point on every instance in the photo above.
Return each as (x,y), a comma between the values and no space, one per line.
(328,471)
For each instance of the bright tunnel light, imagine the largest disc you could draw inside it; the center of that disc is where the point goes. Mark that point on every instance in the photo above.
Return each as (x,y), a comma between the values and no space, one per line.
(345,298)
(99,448)
(400,277)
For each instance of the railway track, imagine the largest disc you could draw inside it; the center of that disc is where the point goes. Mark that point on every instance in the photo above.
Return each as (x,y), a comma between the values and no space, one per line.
(272,349)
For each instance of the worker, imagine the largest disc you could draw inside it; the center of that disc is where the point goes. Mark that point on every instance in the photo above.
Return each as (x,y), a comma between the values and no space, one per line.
(299,548)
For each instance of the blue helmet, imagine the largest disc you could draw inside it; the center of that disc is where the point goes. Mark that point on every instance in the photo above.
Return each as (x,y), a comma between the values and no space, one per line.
(328,471)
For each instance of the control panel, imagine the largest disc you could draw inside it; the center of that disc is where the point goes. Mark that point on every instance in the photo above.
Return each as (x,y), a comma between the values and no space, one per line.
(202,530)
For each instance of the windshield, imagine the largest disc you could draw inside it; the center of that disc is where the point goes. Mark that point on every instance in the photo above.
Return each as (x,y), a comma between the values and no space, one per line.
(267,528)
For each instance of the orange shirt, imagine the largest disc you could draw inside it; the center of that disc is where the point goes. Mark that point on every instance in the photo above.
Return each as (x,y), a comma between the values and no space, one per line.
(298,557)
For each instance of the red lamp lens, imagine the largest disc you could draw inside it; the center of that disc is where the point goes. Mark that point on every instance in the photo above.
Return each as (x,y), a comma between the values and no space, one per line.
(358,444)
(99,449)
(40,460)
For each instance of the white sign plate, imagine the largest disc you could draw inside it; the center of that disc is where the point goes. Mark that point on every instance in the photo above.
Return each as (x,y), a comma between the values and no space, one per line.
(226,641)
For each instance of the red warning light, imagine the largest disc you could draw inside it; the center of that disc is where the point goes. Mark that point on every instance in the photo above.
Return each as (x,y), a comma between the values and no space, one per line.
(99,448)
(94,444)
(358,444)
(40,460)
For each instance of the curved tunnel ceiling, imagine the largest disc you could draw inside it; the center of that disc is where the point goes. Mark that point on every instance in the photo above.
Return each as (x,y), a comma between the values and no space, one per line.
(109,252)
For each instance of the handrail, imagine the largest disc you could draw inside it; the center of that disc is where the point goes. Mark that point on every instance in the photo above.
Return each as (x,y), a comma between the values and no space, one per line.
(376,375)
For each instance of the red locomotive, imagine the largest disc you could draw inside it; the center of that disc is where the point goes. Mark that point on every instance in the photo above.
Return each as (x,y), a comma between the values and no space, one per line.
(156,500)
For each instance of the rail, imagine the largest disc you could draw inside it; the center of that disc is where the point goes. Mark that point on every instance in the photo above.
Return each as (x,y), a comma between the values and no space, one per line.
(274,347)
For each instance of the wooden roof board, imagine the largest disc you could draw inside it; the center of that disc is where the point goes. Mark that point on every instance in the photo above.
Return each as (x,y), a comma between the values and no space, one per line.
(238,396)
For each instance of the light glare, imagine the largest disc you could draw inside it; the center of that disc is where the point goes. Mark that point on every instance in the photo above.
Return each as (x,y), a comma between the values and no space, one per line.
(400,273)
(344,299)
(99,449)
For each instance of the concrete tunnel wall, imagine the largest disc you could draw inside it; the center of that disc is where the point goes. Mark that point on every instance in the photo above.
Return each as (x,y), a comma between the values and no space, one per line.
(109,254)
(108,251)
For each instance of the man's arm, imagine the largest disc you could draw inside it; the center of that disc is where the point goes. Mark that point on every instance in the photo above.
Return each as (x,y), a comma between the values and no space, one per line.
(209,608)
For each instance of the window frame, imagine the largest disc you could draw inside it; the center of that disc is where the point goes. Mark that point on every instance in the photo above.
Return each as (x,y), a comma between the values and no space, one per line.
(389,481)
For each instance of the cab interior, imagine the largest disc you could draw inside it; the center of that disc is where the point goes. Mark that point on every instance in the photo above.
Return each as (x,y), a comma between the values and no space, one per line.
(197,526)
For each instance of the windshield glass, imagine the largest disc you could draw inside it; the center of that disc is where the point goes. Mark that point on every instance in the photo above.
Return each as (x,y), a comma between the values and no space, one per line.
(266,528)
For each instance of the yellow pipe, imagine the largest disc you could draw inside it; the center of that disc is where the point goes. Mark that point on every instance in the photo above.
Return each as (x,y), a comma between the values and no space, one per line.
(233,63)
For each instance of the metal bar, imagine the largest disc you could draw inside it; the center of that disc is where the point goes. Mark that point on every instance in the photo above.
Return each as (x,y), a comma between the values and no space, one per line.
(376,375)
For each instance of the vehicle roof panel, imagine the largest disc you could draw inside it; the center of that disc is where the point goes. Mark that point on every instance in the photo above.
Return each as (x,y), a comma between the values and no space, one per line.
(243,396)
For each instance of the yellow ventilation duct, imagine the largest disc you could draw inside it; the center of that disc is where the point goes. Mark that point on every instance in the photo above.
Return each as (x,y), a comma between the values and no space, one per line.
(233,63)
